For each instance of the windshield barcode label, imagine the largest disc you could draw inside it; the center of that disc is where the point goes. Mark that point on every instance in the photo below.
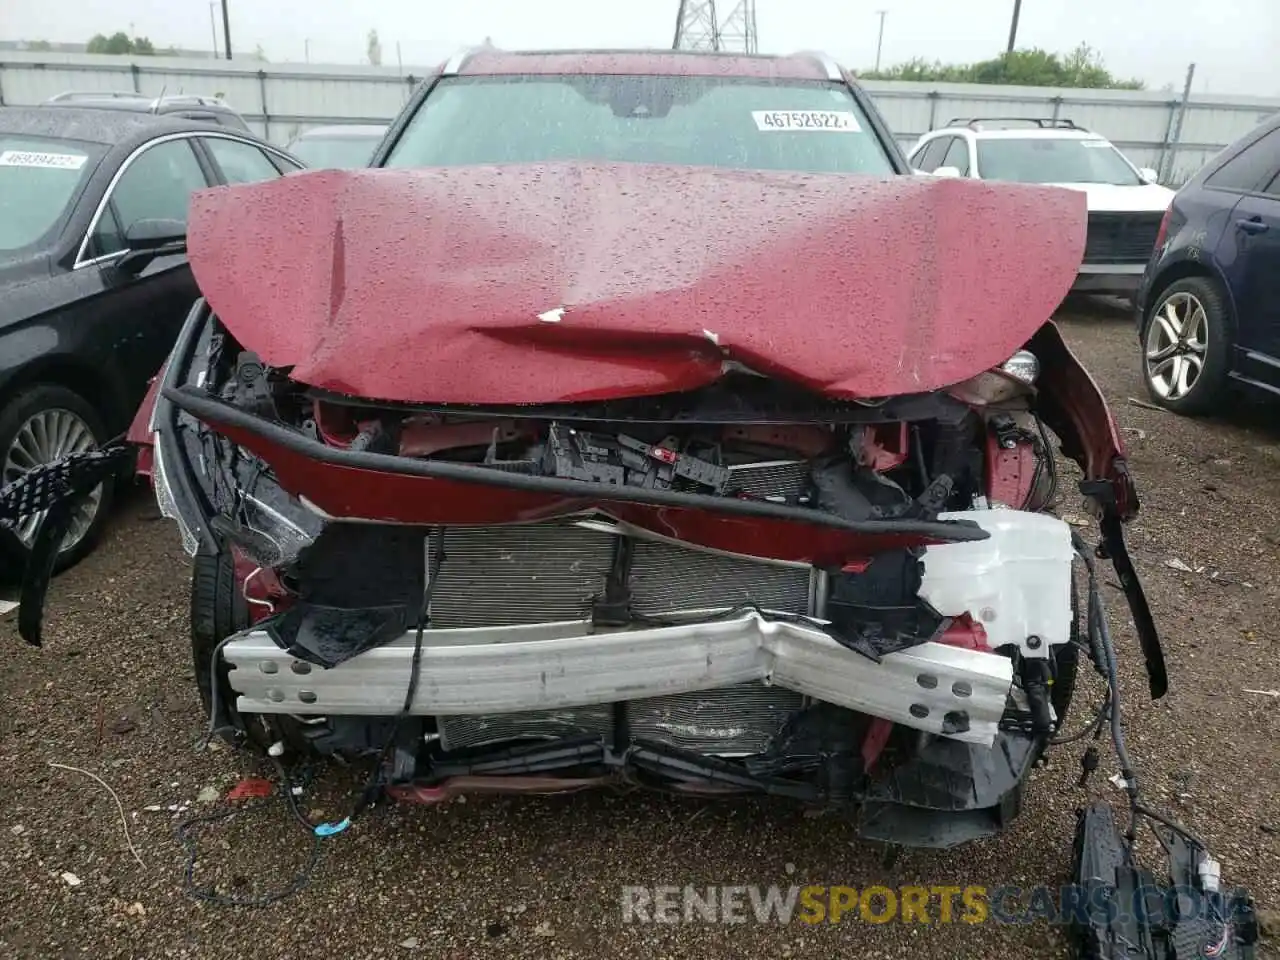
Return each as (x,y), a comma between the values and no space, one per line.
(28,158)
(820,121)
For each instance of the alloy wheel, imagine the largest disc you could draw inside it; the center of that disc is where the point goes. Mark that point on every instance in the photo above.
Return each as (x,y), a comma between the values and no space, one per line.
(45,437)
(1177,342)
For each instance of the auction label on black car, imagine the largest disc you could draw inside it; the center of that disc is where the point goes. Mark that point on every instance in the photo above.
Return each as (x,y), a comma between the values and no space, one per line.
(30,158)
(821,121)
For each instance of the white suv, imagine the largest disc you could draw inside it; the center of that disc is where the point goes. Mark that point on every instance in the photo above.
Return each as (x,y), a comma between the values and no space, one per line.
(1125,202)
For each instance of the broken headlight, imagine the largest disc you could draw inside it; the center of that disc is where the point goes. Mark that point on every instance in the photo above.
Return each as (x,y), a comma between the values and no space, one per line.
(1016,377)
(166,502)
(267,525)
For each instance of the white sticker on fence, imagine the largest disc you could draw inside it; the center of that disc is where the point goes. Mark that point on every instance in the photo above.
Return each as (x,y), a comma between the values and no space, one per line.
(30,158)
(818,121)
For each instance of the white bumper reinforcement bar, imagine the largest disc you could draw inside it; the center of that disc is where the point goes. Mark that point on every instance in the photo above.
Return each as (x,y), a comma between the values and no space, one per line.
(931,687)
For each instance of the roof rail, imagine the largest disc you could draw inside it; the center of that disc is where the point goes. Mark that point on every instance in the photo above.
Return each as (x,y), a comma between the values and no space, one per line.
(825,61)
(192,98)
(1043,123)
(459,59)
(68,95)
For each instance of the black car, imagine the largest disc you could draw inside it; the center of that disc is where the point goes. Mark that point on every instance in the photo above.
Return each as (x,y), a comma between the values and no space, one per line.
(189,106)
(1209,304)
(85,320)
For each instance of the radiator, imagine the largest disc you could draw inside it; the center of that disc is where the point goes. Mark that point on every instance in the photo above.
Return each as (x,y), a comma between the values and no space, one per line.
(547,572)
(728,722)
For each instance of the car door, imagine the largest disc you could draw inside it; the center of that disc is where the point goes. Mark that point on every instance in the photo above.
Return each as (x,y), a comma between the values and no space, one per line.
(1249,252)
(144,311)
(1256,224)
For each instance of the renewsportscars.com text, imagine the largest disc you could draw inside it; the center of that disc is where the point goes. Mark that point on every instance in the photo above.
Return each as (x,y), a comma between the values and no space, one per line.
(814,904)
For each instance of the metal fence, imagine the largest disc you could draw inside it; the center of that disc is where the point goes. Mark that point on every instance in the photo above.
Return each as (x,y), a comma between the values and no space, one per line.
(1155,128)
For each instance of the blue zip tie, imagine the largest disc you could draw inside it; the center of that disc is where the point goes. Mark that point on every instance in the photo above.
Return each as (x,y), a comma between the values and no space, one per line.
(330,829)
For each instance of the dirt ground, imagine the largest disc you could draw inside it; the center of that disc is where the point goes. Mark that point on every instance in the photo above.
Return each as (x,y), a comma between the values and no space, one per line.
(112,692)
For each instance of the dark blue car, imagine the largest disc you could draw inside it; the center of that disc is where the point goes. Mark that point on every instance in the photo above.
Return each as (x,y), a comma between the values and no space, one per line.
(1209,303)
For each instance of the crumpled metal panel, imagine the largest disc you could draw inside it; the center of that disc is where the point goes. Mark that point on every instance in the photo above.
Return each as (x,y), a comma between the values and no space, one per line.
(567,282)
(478,670)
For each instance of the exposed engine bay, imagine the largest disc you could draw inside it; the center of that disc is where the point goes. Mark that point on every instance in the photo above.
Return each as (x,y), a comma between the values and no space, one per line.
(753,589)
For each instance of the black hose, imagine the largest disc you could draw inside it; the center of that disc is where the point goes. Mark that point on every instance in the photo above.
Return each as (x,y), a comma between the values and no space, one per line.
(1097,620)
(214,729)
(1092,729)
(1050,461)
(1173,825)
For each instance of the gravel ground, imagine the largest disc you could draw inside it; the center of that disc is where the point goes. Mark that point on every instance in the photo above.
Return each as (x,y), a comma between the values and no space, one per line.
(112,693)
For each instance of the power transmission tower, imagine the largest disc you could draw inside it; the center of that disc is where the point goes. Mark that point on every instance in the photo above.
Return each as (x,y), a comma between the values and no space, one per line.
(698,28)
(738,29)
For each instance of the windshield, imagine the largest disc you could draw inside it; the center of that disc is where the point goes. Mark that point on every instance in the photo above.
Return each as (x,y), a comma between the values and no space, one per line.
(1058,160)
(39,180)
(700,121)
(342,152)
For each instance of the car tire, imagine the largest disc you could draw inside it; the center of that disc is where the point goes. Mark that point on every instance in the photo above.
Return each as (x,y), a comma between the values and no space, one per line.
(1187,338)
(39,424)
(217,611)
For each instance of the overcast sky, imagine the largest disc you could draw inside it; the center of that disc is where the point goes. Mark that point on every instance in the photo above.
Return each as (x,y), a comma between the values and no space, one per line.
(1234,43)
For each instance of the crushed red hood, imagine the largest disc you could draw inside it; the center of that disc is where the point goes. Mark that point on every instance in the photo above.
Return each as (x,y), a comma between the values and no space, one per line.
(570,282)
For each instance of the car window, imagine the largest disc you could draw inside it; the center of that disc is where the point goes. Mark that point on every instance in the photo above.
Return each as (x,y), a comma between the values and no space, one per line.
(240,162)
(957,156)
(1272,189)
(931,156)
(107,237)
(40,178)
(1054,160)
(340,152)
(740,123)
(157,185)
(1256,164)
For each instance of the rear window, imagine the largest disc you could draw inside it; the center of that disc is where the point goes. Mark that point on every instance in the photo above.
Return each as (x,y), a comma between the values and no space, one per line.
(40,179)
(751,124)
(334,152)
(1053,160)
(1249,169)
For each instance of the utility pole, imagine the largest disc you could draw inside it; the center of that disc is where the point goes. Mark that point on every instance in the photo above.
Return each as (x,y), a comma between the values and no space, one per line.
(880,39)
(213,28)
(1167,168)
(306,49)
(226,29)
(1013,26)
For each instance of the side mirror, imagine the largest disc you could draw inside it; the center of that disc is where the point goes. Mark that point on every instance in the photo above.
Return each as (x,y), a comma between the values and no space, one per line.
(1149,175)
(947,172)
(145,240)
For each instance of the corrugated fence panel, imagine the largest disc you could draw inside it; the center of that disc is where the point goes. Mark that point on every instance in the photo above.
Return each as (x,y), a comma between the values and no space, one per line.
(279,100)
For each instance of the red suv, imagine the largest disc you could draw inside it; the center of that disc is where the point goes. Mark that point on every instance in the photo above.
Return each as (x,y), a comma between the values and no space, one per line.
(641,420)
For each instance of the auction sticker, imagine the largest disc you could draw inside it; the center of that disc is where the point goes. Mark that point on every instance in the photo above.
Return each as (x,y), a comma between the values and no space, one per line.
(828,121)
(30,158)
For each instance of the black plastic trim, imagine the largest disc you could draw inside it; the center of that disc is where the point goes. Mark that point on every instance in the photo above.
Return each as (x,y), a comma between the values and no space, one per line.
(199,404)
(189,502)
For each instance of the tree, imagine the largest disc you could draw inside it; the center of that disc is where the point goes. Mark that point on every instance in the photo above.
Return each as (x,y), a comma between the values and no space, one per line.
(260,54)
(119,44)
(39,46)
(374,49)
(1082,67)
